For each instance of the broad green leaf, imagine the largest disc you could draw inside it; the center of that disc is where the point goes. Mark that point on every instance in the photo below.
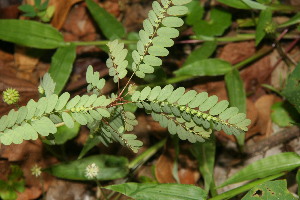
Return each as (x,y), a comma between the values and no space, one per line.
(265,167)
(110,168)
(205,67)
(239,4)
(237,95)
(27,8)
(30,33)
(205,155)
(291,21)
(155,191)
(284,114)
(64,133)
(109,25)
(219,21)
(271,190)
(61,66)
(265,17)
(291,91)
(196,12)
(201,53)
(254,5)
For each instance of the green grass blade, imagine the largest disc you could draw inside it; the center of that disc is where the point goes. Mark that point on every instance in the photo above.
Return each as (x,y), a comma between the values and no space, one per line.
(30,34)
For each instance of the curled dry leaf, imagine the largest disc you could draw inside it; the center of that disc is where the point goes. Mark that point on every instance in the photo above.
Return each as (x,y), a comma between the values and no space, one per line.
(62,9)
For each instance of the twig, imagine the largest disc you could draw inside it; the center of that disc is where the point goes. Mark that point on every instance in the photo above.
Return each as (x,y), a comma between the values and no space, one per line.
(274,140)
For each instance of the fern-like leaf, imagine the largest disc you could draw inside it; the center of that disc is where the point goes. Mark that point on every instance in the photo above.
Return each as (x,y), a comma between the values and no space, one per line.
(116,62)
(158,29)
(191,115)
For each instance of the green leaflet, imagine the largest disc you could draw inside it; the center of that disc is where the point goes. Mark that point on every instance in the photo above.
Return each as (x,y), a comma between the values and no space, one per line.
(31,34)
(68,120)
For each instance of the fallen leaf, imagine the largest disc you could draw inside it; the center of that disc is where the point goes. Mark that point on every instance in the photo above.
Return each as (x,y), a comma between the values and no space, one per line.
(79,22)
(26,60)
(164,167)
(236,52)
(263,106)
(62,9)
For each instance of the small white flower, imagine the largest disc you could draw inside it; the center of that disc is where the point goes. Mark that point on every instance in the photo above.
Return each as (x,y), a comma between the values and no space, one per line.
(91,171)
(36,170)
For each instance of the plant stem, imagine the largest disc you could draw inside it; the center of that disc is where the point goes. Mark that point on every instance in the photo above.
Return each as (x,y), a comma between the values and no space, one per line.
(244,188)
(99,187)
(262,52)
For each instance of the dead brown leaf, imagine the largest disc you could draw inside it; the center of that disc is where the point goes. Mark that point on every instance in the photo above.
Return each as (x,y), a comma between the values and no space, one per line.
(164,167)
(237,52)
(62,9)
(263,106)
(79,22)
